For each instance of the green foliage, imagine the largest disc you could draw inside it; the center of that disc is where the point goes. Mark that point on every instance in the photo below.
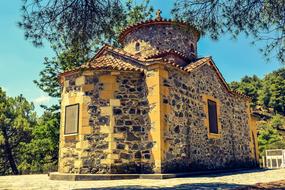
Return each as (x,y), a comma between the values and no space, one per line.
(278,122)
(67,60)
(248,86)
(268,93)
(69,21)
(272,94)
(268,135)
(137,12)
(86,24)
(27,144)
(40,155)
(133,13)
(71,56)
(17,119)
(264,20)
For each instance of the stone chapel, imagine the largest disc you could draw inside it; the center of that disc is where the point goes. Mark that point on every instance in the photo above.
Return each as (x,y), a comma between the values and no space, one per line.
(153,106)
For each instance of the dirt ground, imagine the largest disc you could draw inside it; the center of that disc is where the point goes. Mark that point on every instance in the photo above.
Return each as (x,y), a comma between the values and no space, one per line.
(245,180)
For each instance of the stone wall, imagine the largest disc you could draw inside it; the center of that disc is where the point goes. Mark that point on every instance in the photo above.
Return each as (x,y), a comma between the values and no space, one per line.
(132,119)
(67,149)
(115,107)
(132,122)
(82,153)
(188,146)
(158,38)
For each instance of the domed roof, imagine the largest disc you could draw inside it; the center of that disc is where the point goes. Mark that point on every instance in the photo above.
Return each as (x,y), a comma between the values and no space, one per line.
(157,21)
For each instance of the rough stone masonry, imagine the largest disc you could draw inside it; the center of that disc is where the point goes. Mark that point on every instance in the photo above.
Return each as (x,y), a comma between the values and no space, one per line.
(145,108)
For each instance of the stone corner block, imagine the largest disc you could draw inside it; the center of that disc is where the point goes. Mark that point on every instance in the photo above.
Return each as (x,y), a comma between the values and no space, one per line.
(80,81)
(107,161)
(66,83)
(115,102)
(106,111)
(86,130)
(78,163)
(87,87)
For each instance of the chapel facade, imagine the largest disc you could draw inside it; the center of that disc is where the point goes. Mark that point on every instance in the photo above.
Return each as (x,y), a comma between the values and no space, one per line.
(153,106)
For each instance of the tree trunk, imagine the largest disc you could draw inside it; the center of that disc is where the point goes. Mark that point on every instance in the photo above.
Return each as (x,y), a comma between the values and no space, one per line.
(8,153)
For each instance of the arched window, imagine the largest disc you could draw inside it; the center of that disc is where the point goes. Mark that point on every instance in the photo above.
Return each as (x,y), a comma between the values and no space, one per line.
(138,46)
(192,48)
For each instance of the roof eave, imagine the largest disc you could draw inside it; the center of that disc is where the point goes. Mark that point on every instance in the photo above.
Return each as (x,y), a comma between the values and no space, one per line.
(131,28)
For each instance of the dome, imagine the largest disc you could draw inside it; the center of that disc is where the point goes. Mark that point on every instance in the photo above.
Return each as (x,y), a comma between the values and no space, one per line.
(158,36)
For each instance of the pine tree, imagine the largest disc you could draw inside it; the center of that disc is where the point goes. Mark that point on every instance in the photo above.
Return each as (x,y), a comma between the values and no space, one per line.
(264,20)
(17,118)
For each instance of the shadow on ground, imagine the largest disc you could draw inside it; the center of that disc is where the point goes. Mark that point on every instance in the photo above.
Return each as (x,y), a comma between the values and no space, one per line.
(198,186)
(225,173)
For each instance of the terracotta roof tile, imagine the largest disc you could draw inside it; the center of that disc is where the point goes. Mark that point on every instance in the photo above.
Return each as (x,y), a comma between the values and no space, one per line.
(197,64)
(111,62)
(192,66)
(171,51)
(107,47)
(121,60)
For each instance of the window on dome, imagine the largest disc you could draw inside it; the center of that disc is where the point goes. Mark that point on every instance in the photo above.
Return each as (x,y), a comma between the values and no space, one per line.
(138,46)
(192,48)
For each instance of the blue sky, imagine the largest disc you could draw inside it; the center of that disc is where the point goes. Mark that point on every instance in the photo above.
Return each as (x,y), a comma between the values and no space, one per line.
(20,62)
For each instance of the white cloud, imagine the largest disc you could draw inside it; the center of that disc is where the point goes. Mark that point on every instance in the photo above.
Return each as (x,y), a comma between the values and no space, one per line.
(42,100)
(4,88)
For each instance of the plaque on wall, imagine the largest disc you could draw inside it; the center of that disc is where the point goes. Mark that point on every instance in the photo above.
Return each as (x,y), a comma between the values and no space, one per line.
(71,124)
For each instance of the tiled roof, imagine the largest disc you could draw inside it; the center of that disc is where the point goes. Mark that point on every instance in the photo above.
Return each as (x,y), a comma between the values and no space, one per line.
(190,67)
(167,52)
(120,52)
(107,48)
(208,60)
(112,62)
(236,93)
(112,58)
(156,21)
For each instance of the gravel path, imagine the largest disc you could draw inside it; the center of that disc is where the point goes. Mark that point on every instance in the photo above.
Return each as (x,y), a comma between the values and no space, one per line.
(218,181)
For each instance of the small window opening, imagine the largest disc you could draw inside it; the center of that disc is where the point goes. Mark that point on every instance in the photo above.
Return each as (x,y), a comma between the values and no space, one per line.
(192,48)
(213,118)
(138,46)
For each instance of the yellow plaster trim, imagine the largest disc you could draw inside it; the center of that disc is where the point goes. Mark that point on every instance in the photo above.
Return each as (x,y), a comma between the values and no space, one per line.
(86,130)
(80,81)
(106,95)
(115,102)
(113,156)
(119,135)
(107,161)
(66,83)
(205,98)
(157,91)
(252,130)
(78,163)
(112,146)
(115,73)
(110,85)
(105,111)
(71,137)
(83,128)
(105,129)
(88,73)
(87,87)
